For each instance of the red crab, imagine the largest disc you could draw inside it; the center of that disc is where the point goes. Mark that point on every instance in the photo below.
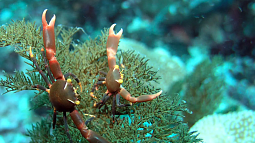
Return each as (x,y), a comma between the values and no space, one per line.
(114,78)
(62,94)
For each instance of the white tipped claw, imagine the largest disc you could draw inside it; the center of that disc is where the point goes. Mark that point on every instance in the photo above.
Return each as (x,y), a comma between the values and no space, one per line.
(159,93)
(120,32)
(44,12)
(44,22)
(111,31)
(52,21)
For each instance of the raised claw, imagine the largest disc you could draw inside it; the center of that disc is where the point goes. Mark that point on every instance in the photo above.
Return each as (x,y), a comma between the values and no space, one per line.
(44,22)
(49,44)
(111,31)
(48,32)
(112,46)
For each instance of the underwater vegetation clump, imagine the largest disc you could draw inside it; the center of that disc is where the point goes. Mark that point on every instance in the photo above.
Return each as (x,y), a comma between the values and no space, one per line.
(154,121)
(202,89)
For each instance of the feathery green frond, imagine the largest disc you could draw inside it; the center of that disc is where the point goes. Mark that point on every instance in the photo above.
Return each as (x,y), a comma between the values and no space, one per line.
(85,60)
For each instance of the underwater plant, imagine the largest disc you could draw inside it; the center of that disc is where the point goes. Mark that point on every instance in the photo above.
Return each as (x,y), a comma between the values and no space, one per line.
(154,121)
(202,89)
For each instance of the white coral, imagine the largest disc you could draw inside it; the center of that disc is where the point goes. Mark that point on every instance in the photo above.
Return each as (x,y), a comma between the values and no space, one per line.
(236,127)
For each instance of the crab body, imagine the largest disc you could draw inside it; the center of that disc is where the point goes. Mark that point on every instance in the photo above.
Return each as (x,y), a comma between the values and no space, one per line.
(112,80)
(61,94)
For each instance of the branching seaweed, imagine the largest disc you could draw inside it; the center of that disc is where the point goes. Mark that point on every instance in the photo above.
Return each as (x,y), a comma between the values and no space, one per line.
(157,121)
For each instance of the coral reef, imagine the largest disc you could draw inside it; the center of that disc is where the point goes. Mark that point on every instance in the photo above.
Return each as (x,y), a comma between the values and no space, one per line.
(86,59)
(235,127)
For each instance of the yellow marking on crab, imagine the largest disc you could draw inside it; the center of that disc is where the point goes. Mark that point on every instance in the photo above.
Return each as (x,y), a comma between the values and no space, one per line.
(80,86)
(74,102)
(30,52)
(121,75)
(116,67)
(120,81)
(92,95)
(69,80)
(75,92)
(48,90)
(94,105)
(77,102)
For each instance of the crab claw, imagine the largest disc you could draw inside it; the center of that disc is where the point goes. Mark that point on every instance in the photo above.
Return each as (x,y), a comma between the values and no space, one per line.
(48,32)
(143,98)
(112,46)
(44,22)
(49,44)
(111,32)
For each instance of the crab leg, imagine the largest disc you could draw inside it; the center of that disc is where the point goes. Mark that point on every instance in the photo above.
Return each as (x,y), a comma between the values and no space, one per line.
(66,127)
(103,101)
(49,44)
(118,102)
(101,80)
(90,135)
(112,46)
(143,98)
